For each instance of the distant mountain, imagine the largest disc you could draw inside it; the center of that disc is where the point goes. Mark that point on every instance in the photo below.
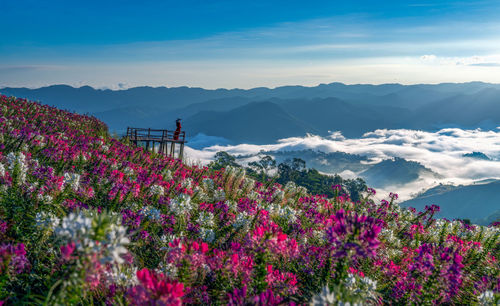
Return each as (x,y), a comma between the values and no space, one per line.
(467,110)
(396,171)
(333,114)
(257,122)
(351,109)
(474,202)
(155,117)
(477,155)
(90,100)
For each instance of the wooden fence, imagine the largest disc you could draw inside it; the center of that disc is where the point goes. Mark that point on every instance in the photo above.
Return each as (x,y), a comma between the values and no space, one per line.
(163,141)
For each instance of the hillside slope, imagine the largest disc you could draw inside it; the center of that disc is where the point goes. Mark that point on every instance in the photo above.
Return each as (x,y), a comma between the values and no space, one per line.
(87,219)
(472,202)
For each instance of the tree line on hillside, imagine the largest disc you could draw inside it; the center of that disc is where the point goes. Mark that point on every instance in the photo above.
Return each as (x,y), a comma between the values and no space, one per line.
(266,169)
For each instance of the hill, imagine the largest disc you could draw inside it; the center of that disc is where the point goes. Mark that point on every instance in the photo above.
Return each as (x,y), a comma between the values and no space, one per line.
(89,219)
(396,171)
(257,122)
(473,202)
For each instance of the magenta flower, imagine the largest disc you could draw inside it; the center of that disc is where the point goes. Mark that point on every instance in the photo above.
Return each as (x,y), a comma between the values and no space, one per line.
(155,289)
(350,231)
(67,250)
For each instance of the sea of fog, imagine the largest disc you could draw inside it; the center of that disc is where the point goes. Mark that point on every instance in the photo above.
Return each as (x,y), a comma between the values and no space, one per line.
(442,152)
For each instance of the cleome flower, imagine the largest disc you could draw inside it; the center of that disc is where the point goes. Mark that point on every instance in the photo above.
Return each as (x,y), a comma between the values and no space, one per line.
(72,180)
(95,234)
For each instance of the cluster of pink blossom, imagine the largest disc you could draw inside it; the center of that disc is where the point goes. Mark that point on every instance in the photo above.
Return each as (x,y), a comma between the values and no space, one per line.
(102,221)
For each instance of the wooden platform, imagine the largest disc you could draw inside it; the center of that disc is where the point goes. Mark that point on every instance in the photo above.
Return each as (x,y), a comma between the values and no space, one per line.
(163,140)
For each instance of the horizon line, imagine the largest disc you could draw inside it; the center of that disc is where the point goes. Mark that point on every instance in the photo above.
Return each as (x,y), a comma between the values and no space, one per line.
(104,88)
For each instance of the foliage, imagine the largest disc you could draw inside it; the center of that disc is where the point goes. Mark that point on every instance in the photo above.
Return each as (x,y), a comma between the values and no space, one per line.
(294,170)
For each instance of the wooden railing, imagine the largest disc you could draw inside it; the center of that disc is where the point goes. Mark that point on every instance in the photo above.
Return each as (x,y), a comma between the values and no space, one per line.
(167,140)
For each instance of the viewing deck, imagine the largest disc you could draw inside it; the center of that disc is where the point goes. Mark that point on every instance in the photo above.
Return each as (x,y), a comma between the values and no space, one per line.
(164,141)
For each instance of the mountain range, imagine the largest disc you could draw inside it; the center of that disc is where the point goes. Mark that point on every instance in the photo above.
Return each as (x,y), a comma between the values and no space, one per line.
(261,115)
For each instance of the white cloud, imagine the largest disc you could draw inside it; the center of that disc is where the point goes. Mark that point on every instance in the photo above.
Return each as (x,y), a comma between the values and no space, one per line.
(441,151)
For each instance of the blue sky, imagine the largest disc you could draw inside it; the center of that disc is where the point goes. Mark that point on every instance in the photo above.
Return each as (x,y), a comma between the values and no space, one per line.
(244,44)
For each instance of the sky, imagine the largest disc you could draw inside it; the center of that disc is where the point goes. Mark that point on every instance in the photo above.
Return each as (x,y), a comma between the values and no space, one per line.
(245,44)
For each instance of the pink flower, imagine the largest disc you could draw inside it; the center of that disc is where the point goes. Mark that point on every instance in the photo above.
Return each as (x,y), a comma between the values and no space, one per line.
(155,289)
(204,247)
(67,250)
(282,237)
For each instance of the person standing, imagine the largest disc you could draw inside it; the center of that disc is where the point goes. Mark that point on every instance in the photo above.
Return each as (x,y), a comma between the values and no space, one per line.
(178,130)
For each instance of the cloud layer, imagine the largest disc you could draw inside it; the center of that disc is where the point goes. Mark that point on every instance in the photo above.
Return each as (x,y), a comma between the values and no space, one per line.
(442,151)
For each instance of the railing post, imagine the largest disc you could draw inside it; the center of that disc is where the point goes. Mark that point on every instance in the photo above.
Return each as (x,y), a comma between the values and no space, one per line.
(150,137)
(181,151)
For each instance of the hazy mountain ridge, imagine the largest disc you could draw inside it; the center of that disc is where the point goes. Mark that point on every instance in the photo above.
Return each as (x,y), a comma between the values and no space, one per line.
(477,202)
(351,109)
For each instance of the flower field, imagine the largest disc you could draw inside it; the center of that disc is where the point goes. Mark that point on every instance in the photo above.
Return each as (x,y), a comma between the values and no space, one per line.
(87,219)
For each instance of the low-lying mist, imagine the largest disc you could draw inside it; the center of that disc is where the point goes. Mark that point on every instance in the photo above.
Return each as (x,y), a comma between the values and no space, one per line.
(447,152)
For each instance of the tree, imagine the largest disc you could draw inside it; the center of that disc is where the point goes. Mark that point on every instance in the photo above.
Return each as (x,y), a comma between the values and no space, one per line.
(223,159)
(355,187)
(263,166)
(298,164)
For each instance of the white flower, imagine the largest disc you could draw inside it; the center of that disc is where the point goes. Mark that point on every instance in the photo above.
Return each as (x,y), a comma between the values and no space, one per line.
(167,174)
(2,169)
(72,180)
(206,219)
(46,220)
(278,196)
(168,269)
(254,196)
(116,239)
(208,184)
(45,198)
(151,213)
(181,205)
(82,230)
(219,195)
(370,285)
(128,171)
(75,227)
(18,160)
(350,281)
(187,183)
(124,276)
(157,190)
(486,298)
(232,205)
(207,234)
(242,221)
(288,213)
(325,297)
